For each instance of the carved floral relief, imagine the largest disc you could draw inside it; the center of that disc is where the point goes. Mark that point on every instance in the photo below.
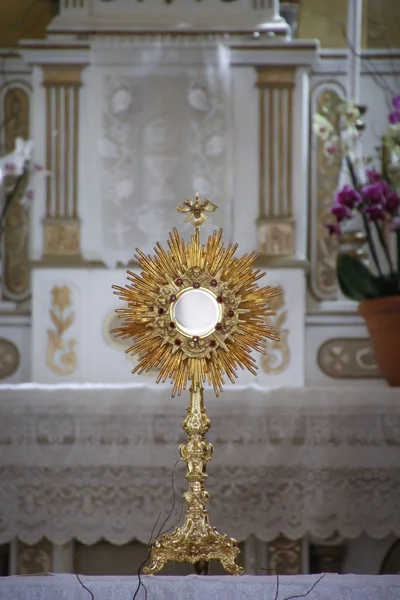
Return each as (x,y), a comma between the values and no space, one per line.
(60,354)
(277,354)
(325,174)
(348,358)
(34,559)
(9,358)
(285,556)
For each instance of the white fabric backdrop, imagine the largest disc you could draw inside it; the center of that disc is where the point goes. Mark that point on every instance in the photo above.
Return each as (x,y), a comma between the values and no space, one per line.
(338,587)
(91,462)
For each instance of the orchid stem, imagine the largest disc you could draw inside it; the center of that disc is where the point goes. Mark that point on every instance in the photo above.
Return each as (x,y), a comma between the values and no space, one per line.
(356,185)
(384,246)
(371,244)
(11,195)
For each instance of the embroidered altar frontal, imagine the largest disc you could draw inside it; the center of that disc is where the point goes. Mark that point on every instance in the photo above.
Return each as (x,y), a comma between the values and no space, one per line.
(89,462)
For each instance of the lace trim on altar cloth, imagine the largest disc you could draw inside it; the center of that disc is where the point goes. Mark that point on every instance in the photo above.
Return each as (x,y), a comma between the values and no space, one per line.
(120,504)
(90,463)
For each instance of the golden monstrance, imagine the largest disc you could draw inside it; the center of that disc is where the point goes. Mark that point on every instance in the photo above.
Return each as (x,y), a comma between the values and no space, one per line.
(195,313)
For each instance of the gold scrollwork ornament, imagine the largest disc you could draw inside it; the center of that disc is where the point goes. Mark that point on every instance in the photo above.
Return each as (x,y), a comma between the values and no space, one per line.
(60,354)
(195,313)
(277,354)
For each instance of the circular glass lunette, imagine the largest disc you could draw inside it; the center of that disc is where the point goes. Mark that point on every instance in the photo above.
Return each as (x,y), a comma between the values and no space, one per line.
(196,312)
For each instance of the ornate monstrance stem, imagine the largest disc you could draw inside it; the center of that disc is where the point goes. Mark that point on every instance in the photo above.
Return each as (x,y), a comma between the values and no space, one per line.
(196,541)
(195,313)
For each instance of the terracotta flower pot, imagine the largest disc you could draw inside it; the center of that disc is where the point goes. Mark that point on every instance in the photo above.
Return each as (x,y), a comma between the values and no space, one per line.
(382,317)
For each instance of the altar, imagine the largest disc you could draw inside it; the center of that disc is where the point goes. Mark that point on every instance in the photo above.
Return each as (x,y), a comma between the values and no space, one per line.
(87,462)
(344,587)
(132,107)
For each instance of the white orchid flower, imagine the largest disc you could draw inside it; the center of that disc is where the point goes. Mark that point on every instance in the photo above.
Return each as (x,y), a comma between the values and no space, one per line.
(322,127)
(350,114)
(349,140)
(332,147)
(14,162)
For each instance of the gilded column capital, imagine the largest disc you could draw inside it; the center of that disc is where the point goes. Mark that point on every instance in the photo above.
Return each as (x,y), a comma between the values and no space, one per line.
(275,76)
(65,75)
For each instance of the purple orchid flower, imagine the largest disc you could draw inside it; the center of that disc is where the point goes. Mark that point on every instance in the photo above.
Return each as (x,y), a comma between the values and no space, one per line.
(392,203)
(341,212)
(375,193)
(396,102)
(373,175)
(334,229)
(348,197)
(394,117)
(375,213)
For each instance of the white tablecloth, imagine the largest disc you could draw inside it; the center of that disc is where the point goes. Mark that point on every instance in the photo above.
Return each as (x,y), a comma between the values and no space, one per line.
(91,462)
(192,587)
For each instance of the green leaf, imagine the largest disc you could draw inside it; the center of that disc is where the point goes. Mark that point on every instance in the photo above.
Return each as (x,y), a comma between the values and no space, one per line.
(356,281)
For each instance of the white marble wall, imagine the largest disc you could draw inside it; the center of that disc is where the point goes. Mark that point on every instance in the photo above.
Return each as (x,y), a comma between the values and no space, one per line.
(85,351)
(139,157)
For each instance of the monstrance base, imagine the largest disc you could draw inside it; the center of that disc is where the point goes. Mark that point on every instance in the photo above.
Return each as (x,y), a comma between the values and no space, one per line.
(194,542)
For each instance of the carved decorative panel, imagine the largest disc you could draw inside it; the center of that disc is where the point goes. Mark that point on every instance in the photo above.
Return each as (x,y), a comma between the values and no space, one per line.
(325,174)
(60,353)
(276,237)
(348,358)
(277,354)
(34,559)
(165,135)
(61,237)
(284,556)
(9,358)
(16,276)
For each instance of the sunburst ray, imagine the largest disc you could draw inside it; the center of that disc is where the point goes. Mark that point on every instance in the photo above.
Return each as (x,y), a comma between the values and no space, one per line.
(232,281)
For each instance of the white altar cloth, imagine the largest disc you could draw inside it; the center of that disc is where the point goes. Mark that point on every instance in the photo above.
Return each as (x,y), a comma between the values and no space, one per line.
(91,462)
(193,587)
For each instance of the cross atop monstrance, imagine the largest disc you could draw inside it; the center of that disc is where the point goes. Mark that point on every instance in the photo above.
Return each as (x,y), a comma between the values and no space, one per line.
(195,313)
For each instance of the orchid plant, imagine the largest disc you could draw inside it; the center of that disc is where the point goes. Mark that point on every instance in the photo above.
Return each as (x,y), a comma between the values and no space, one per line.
(16,173)
(372,194)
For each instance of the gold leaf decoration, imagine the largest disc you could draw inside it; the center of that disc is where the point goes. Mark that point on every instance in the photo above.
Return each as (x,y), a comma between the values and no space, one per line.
(324,248)
(60,355)
(277,355)
(244,307)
